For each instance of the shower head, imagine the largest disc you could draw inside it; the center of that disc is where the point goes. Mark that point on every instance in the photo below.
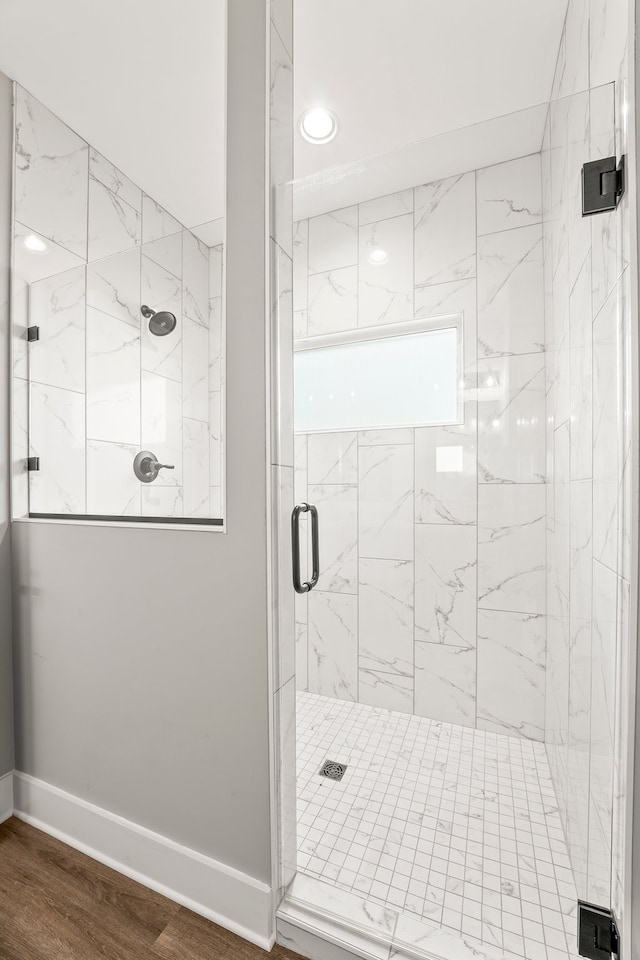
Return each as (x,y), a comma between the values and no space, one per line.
(161,323)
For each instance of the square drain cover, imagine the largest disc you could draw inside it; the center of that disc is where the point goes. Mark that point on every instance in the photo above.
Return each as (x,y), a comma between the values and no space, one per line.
(333,770)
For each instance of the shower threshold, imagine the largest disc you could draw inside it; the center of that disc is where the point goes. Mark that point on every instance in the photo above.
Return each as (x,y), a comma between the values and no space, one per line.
(440,841)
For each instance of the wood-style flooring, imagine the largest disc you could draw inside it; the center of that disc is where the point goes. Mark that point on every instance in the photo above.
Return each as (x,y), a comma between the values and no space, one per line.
(58,904)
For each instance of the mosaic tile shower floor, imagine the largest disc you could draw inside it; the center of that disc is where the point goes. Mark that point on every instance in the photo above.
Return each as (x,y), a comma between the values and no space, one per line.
(450,825)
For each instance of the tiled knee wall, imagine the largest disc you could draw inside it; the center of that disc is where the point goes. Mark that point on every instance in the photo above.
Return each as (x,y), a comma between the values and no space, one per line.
(431,598)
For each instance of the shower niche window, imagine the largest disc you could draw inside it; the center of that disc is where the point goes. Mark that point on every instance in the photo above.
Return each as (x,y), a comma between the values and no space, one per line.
(401,375)
(118,340)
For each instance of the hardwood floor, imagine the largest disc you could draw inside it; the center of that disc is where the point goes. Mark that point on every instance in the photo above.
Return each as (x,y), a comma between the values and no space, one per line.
(58,904)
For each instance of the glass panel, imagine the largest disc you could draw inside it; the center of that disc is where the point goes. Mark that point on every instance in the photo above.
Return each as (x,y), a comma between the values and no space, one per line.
(118,276)
(388,382)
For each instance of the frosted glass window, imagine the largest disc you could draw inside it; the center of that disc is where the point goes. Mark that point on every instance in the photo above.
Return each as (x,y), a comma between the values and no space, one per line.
(391,381)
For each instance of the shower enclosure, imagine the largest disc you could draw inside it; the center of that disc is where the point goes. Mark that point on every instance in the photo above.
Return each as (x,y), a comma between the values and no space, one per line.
(118,340)
(462,356)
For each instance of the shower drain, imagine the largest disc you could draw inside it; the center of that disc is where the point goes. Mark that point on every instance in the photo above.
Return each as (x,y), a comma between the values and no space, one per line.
(332,770)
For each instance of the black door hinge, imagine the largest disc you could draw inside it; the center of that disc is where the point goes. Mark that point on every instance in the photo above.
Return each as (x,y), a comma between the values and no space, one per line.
(33,463)
(598,937)
(603,183)
(33,333)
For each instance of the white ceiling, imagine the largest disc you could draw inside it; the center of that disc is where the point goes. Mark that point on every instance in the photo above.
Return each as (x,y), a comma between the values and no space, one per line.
(400,72)
(143,80)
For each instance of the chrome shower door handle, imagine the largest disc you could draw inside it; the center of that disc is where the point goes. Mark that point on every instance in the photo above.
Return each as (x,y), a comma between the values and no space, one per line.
(298,585)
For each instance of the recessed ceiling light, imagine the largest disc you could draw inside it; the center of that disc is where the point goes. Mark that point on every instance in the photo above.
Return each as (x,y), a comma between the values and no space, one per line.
(377,257)
(34,244)
(318,125)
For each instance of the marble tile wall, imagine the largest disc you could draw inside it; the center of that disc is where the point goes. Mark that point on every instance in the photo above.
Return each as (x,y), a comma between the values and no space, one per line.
(587,319)
(431,598)
(100,386)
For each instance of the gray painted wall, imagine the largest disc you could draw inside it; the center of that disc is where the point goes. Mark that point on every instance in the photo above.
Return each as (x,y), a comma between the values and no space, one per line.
(141,655)
(6,700)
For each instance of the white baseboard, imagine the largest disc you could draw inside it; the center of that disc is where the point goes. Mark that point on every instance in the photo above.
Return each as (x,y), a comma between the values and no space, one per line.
(6,796)
(224,895)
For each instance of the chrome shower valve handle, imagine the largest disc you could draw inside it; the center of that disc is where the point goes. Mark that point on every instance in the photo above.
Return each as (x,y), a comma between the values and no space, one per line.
(146,466)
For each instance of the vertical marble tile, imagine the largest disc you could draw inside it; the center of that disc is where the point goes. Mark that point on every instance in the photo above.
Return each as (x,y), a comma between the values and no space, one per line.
(511,419)
(113,379)
(622,738)
(386,690)
(572,71)
(20,449)
(385,271)
(216,360)
(457,296)
(384,208)
(602,731)
(156,222)
(446,572)
(511,673)
(510,292)
(385,502)
(385,617)
(19,322)
(161,501)
(385,436)
(445,683)
(195,460)
(608,38)
(195,370)
(333,301)
(580,585)
(166,252)
(113,286)
(52,166)
(511,547)
(215,439)
(57,436)
(338,531)
(604,228)
(446,472)
(160,290)
(578,150)
(333,240)
(509,195)
(301,474)
(114,180)
(162,425)
(57,307)
(216,270)
(332,457)
(333,645)
(195,279)
(580,321)
(558,581)
(114,225)
(112,487)
(302,634)
(606,433)
(445,230)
